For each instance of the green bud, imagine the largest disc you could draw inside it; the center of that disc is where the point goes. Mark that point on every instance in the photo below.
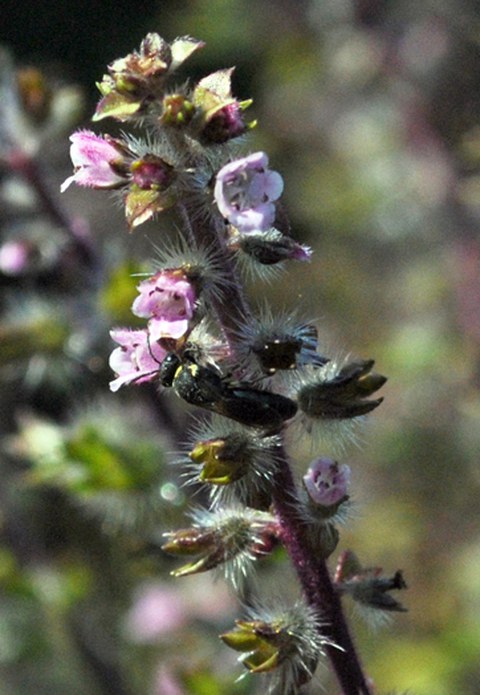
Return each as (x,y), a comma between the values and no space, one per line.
(177,110)
(225,460)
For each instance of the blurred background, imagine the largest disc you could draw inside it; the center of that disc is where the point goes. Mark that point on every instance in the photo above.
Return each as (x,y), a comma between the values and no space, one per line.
(370,110)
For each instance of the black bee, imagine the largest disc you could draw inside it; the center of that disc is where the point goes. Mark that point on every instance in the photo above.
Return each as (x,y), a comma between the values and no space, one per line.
(207,388)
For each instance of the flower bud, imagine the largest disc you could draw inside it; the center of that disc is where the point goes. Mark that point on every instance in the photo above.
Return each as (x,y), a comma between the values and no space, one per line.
(286,644)
(178,111)
(229,537)
(280,342)
(149,192)
(220,115)
(343,395)
(134,82)
(151,172)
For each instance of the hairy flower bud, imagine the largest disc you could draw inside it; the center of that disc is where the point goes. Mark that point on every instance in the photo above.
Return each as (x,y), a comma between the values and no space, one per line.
(177,111)
(278,342)
(232,538)
(236,461)
(285,644)
(269,247)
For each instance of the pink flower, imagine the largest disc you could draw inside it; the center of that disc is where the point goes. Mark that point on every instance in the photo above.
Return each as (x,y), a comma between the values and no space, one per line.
(327,481)
(15,257)
(136,360)
(168,300)
(245,191)
(157,610)
(98,161)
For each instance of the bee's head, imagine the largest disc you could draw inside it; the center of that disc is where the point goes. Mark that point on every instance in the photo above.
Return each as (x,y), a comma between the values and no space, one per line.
(169,368)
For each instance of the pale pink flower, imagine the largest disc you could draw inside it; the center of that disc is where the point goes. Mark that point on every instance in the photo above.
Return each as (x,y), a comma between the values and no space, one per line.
(157,610)
(245,191)
(98,162)
(168,300)
(136,360)
(15,257)
(166,683)
(327,481)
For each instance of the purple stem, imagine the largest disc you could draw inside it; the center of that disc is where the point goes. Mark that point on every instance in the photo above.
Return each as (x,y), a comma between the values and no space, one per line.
(317,585)
(232,308)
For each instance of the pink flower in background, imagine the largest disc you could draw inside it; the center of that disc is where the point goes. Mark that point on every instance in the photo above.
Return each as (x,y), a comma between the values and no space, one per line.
(168,300)
(327,481)
(136,360)
(245,191)
(159,608)
(166,683)
(98,161)
(156,611)
(15,257)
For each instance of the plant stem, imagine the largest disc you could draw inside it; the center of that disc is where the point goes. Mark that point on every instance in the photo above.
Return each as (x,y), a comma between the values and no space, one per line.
(313,573)
(207,234)
(317,586)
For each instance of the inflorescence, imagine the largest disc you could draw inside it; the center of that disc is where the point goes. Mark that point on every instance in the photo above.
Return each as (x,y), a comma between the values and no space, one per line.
(255,373)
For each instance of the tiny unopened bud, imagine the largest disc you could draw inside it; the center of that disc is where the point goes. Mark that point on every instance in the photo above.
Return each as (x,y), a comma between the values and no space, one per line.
(151,172)
(178,111)
(134,82)
(219,115)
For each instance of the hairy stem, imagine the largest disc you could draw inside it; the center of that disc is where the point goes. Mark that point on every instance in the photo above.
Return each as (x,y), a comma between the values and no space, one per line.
(317,586)
(313,573)
(208,235)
